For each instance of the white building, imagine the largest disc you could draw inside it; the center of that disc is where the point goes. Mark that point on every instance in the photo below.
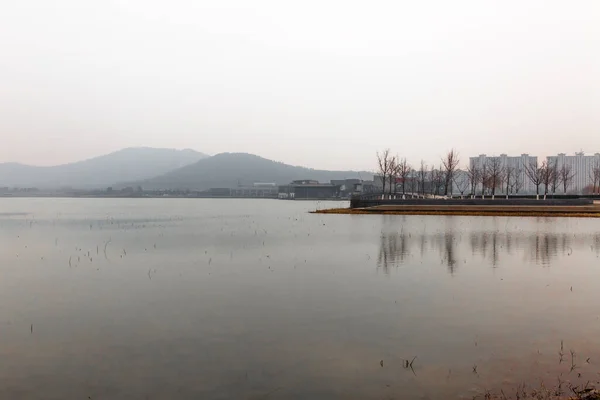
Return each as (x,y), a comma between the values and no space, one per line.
(518,163)
(581,166)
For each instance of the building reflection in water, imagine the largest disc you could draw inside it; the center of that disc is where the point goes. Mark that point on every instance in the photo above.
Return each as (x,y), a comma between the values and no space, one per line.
(453,247)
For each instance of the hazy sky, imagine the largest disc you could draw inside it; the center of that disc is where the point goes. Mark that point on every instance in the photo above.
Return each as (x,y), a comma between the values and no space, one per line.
(318,83)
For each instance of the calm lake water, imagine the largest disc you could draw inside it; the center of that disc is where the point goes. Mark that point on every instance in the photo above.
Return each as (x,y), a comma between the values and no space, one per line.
(256,299)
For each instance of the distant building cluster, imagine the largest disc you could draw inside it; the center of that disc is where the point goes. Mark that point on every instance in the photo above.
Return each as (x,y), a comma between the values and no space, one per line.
(577,174)
(304,189)
(586,170)
(310,189)
(256,190)
(8,191)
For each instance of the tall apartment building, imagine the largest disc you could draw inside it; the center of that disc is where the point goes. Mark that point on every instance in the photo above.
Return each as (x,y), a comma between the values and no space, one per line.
(518,163)
(581,165)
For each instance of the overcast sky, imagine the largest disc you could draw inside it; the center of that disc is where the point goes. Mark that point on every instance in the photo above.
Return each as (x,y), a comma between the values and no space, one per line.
(318,83)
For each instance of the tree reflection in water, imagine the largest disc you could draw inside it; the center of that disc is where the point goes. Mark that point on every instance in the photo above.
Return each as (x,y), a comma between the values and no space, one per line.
(397,247)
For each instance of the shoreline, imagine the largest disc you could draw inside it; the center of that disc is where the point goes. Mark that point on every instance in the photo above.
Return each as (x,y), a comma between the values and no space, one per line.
(482,211)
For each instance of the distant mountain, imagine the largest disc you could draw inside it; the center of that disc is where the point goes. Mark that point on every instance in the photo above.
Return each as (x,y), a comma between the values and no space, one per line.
(131,164)
(229,170)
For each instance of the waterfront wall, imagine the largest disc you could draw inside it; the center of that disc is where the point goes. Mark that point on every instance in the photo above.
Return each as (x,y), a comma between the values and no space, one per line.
(360,203)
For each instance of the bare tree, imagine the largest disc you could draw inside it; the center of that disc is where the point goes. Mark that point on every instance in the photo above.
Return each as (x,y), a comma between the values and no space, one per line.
(547,172)
(596,172)
(413,182)
(384,162)
(474,174)
(437,180)
(509,177)
(554,175)
(495,172)
(432,179)
(404,170)
(566,176)
(594,176)
(440,183)
(450,162)
(484,178)
(462,181)
(535,173)
(518,181)
(393,176)
(422,177)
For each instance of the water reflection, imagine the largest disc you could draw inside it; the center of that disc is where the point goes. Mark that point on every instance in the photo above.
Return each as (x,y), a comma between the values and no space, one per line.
(451,246)
(393,250)
(234,300)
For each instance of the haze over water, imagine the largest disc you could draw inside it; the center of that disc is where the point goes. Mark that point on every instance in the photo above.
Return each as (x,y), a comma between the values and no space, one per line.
(250,299)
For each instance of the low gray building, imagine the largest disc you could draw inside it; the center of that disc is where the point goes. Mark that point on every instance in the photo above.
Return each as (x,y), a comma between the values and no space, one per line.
(308,189)
(219,192)
(257,190)
(347,186)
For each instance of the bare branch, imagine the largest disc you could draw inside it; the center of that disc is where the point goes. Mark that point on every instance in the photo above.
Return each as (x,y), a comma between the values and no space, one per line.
(567,175)
(450,163)
(495,173)
(383,164)
(555,175)
(393,172)
(509,178)
(462,181)
(518,181)
(547,174)
(594,176)
(404,170)
(474,173)
(535,174)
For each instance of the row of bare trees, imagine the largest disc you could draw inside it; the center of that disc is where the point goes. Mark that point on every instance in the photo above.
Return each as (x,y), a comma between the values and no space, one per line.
(490,177)
(493,176)
(550,176)
(435,181)
(594,176)
(393,169)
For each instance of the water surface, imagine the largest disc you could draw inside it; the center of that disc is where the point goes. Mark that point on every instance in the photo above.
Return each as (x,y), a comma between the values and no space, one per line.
(253,299)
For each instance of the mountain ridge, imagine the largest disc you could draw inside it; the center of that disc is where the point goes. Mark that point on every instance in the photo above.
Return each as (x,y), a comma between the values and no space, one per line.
(230,170)
(131,163)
